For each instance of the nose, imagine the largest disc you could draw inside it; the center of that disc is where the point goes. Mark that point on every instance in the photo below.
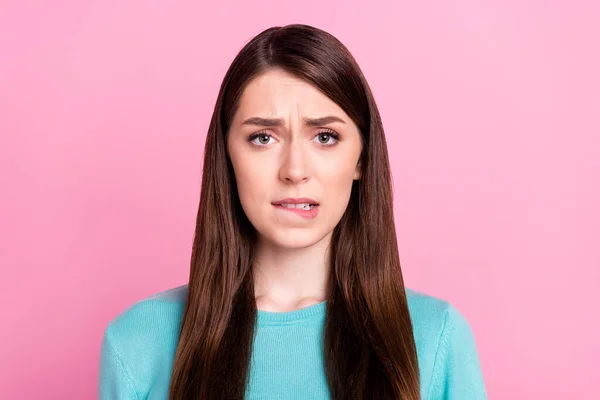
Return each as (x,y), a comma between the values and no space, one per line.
(294,166)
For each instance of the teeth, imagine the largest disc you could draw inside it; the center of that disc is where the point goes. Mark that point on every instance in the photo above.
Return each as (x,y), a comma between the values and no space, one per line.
(304,206)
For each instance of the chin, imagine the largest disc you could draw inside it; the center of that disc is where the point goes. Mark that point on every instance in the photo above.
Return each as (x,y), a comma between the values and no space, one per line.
(294,238)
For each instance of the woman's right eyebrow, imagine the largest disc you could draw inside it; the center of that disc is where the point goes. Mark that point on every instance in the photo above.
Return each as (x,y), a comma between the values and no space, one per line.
(270,122)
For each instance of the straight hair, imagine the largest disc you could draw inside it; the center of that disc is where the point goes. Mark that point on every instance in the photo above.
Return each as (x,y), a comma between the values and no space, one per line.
(368,343)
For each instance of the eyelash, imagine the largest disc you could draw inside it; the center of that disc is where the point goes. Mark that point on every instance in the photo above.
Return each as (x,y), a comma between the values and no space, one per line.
(329,132)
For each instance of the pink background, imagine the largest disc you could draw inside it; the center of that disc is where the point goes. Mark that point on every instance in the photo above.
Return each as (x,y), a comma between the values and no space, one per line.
(492,114)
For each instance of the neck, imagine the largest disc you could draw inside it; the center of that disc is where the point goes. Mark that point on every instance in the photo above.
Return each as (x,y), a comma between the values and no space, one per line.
(288,279)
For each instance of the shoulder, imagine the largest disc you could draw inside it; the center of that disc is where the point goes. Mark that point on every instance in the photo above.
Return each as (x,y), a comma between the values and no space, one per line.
(158,314)
(446,348)
(430,313)
(140,342)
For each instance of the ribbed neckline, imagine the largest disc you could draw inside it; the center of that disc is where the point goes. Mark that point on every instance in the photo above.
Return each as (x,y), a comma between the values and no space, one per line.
(290,317)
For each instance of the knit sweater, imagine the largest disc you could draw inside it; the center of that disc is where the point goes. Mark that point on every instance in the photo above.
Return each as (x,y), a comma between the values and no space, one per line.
(139,344)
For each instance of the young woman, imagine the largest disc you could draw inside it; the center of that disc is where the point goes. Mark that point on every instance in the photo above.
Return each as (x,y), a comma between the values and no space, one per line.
(295,289)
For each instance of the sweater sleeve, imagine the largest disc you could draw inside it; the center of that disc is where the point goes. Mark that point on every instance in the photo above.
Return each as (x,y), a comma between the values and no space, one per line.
(114,382)
(456,371)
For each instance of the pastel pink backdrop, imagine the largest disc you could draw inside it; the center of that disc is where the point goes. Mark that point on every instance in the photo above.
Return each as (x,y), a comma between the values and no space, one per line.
(491,112)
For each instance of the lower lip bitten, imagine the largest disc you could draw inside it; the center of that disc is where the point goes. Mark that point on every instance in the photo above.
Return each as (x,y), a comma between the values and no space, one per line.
(310,213)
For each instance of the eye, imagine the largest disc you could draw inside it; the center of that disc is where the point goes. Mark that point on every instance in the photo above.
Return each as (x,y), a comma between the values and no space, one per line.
(260,138)
(324,137)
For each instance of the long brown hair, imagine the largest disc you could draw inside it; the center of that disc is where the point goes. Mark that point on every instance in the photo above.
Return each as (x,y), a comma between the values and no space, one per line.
(369,348)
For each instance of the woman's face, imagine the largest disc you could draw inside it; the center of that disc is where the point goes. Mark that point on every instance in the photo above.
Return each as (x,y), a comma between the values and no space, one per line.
(290,158)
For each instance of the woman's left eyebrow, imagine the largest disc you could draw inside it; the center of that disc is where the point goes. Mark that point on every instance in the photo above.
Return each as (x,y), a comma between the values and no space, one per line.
(270,122)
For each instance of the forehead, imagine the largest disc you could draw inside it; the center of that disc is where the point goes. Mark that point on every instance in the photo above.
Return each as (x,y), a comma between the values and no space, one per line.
(279,93)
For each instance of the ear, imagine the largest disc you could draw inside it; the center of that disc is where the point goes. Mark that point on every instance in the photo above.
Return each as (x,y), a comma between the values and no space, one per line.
(357,171)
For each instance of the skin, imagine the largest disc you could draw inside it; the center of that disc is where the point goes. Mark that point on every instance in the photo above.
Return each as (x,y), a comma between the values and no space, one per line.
(293,160)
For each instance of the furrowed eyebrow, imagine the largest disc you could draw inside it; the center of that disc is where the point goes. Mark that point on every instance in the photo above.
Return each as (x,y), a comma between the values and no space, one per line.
(270,122)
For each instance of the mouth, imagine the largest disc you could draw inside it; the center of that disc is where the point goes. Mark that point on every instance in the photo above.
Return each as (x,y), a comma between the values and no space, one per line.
(299,206)
(301,202)
(304,207)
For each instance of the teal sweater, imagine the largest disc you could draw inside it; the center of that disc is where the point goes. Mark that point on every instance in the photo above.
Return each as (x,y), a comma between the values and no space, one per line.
(139,345)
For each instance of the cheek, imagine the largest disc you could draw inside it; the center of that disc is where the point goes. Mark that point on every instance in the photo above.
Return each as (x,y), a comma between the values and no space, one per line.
(338,189)
(248,184)
(251,186)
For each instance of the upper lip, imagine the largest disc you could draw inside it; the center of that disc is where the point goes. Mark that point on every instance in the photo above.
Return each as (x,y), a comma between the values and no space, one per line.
(295,201)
